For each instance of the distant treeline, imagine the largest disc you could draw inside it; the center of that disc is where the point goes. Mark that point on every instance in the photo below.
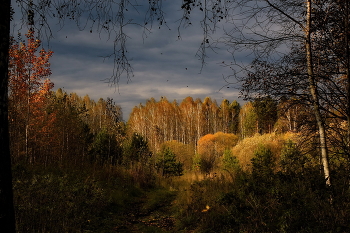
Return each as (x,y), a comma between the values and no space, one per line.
(161,121)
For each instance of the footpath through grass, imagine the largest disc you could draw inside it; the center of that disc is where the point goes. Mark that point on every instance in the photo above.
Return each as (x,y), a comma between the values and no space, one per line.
(153,213)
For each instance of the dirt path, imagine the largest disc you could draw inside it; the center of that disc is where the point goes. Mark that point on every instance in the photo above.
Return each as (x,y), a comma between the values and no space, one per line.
(149,215)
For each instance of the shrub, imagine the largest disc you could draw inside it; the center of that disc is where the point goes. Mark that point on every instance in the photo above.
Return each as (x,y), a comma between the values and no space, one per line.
(230,163)
(136,149)
(263,163)
(292,160)
(105,149)
(167,163)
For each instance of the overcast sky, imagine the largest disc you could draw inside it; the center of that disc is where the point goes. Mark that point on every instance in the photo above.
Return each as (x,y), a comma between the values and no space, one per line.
(163,65)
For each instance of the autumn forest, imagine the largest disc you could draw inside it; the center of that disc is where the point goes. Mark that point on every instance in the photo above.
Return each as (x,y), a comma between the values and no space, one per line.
(189,166)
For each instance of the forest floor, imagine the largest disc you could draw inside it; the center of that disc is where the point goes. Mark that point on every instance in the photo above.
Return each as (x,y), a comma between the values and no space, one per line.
(150,213)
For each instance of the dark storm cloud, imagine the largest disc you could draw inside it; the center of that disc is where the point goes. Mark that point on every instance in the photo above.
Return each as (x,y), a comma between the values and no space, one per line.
(163,64)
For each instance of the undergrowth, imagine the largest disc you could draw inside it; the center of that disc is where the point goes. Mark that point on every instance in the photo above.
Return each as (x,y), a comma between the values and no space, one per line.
(283,193)
(58,199)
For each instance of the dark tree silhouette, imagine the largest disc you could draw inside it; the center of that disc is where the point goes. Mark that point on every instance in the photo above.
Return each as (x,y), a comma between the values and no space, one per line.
(7,217)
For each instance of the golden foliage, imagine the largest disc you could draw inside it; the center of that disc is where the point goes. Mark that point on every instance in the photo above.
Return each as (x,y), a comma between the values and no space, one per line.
(245,149)
(212,146)
(215,144)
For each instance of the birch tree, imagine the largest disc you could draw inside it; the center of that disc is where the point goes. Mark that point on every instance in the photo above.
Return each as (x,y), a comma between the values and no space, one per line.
(270,30)
(314,93)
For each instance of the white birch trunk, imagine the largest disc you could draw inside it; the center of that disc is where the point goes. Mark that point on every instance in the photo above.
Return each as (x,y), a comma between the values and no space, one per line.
(314,95)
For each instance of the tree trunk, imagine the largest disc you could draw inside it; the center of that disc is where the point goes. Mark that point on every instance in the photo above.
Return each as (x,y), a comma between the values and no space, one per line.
(7,216)
(314,95)
(347,62)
